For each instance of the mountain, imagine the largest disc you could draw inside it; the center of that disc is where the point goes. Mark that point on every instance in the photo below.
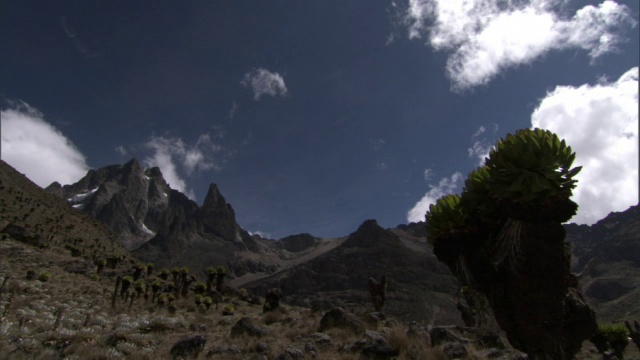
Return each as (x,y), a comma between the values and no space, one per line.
(419,286)
(158,224)
(611,283)
(45,221)
(163,226)
(55,233)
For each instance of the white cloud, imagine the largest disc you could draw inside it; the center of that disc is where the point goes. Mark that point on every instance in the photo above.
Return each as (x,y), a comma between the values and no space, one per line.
(485,37)
(428,174)
(600,123)
(121,150)
(39,150)
(480,131)
(382,166)
(480,150)
(264,82)
(169,151)
(481,146)
(446,186)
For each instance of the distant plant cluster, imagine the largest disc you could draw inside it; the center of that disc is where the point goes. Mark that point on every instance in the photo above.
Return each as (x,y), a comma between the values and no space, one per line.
(168,286)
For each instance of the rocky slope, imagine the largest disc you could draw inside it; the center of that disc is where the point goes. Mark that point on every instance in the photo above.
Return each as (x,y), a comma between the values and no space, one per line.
(35,217)
(155,222)
(419,287)
(611,283)
(163,226)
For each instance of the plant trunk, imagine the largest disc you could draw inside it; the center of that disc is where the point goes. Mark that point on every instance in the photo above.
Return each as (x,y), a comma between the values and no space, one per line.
(536,302)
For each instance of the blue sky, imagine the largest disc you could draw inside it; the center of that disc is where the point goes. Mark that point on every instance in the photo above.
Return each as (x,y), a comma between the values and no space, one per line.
(315,116)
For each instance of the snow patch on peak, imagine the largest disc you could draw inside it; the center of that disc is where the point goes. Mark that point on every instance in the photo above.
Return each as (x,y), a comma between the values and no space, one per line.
(81,196)
(146,230)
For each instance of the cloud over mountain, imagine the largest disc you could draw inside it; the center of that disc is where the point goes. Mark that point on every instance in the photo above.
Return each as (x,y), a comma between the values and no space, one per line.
(169,152)
(485,37)
(446,186)
(37,148)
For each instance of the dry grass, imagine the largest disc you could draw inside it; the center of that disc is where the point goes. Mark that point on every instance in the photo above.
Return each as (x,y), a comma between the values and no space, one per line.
(70,316)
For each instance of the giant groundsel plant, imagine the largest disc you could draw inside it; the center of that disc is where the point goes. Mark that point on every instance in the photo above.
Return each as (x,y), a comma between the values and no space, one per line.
(503,236)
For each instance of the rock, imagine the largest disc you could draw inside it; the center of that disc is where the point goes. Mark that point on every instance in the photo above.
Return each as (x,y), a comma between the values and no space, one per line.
(337,317)
(189,347)
(500,354)
(223,350)
(417,331)
(198,328)
(455,351)
(244,326)
(308,347)
(481,338)
(376,317)
(377,347)
(291,353)
(321,338)
(262,347)
(444,334)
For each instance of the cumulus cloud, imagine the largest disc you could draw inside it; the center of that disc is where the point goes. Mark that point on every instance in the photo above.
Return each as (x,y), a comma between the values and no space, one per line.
(264,82)
(38,149)
(485,37)
(446,186)
(600,123)
(169,152)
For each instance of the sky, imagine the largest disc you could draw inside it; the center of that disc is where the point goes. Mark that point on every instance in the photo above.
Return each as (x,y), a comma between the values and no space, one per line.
(313,116)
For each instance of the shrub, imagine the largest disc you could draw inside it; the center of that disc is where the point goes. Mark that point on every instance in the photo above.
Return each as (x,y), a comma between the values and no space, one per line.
(44,276)
(228,310)
(208,301)
(614,332)
(200,288)
(198,299)
(139,286)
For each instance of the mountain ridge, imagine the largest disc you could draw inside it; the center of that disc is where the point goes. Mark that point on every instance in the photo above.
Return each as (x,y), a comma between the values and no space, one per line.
(313,271)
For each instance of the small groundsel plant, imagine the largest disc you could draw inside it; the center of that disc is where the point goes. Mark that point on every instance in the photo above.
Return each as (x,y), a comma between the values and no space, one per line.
(44,276)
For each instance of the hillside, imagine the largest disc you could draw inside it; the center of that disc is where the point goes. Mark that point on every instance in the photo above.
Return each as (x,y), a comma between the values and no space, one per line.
(69,311)
(56,301)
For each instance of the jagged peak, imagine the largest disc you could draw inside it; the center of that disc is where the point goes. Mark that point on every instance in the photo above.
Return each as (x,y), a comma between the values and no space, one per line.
(370,224)
(133,165)
(213,198)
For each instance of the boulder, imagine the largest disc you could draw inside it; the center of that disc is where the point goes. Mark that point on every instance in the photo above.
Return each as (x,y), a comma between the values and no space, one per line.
(338,317)
(189,347)
(244,327)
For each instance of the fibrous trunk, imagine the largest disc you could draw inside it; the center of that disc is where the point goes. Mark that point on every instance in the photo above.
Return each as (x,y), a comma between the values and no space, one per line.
(536,303)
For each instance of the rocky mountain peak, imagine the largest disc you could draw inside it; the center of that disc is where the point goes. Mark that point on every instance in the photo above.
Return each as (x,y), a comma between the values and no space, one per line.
(370,234)
(148,216)
(217,216)
(297,243)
